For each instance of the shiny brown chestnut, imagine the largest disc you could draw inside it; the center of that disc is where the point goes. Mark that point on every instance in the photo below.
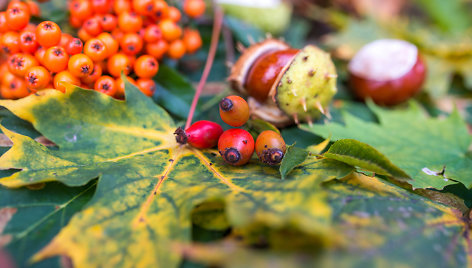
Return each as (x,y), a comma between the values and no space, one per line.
(388,71)
(265,70)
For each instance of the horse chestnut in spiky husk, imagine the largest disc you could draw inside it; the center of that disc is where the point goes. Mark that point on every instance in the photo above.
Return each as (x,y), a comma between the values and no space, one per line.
(285,85)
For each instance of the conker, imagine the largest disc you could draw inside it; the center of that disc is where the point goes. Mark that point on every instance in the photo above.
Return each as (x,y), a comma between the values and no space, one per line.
(388,71)
(264,71)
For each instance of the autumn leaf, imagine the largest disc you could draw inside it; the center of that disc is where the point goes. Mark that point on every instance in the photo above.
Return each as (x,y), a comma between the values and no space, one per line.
(36,216)
(148,184)
(433,152)
(378,224)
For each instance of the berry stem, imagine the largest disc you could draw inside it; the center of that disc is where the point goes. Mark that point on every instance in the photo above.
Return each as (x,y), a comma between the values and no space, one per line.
(217,23)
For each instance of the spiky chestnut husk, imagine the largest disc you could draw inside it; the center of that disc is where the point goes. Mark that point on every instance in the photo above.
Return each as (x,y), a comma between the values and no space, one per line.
(307,85)
(302,90)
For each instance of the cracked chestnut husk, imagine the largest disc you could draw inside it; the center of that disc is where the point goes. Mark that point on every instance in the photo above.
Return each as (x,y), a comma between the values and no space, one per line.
(285,85)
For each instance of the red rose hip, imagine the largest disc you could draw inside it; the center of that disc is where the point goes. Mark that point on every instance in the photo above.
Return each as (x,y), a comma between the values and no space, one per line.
(201,134)
(236,146)
(388,71)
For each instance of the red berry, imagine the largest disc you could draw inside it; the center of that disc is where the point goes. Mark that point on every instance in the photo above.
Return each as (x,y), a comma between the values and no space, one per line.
(234,111)
(201,134)
(270,147)
(387,71)
(236,146)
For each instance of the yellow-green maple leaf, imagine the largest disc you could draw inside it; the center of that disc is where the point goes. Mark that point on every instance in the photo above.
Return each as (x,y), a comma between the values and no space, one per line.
(148,184)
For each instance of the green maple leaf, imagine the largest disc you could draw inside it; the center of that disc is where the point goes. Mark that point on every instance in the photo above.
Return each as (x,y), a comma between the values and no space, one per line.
(378,224)
(148,184)
(422,146)
(33,217)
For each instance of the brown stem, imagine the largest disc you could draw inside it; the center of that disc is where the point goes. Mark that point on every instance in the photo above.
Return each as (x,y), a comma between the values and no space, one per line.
(217,23)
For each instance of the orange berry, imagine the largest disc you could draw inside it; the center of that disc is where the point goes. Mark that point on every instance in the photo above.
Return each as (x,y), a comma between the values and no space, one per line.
(176,49)
(130,22)
(10,42)
(75,46)
(65,39)
(55,59)
(18,64)
(39,54)
(80,65)
(117,34)
(236,146)
(143,7)
(170,30)
(3,23)
(157,49)
(80,9)
(131,44)
(152,33)
(119,63)
(108,22)
(17,17)
(174,14)
(106,85)
(65,77)
(146,66)
(192,40)
(84,35)
(75,22)
(96,49)
(194,8)
(14,87)
(93,76)
(6,93)
(161,10)
(147,86)
(48,34)
(110,43)
(100,6)
(92,26)
(270,147)
(121,6)
(33,8)
(37,77)
(234,111)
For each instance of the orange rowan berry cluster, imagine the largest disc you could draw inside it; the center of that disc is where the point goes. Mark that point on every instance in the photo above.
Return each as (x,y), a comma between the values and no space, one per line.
(138,26)
(115,36)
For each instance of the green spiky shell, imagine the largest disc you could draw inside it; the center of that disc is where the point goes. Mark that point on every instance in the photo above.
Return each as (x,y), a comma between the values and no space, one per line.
(310,81)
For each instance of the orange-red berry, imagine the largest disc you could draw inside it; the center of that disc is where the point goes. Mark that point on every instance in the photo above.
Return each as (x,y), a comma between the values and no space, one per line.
(236,146)
(37,77)
(270,147)
(234,111)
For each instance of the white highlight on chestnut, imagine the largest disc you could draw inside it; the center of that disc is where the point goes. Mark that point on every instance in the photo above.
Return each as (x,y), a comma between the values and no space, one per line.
(384,60)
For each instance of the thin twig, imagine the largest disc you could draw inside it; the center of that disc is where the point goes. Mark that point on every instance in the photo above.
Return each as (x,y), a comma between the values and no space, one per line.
(217,23)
